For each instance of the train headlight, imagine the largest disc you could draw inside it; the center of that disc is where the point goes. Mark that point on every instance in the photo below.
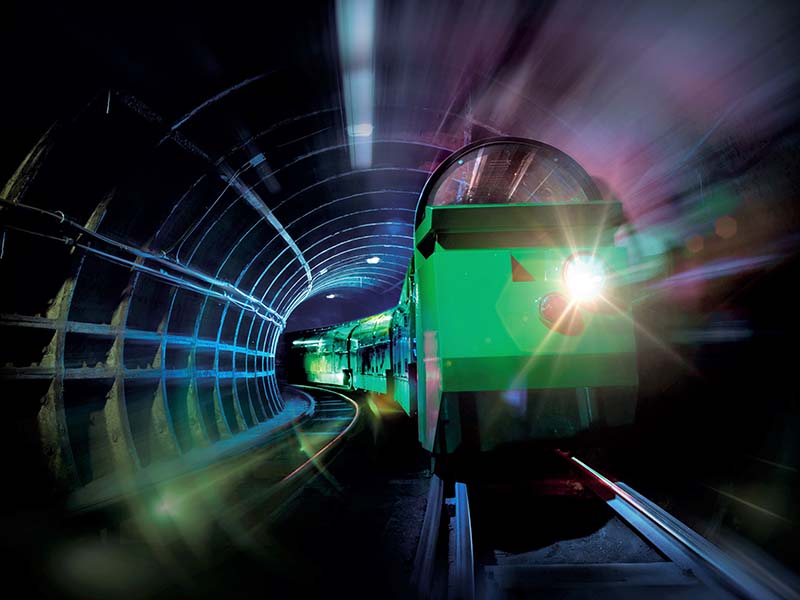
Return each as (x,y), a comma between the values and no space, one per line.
(559,314)
(584,277)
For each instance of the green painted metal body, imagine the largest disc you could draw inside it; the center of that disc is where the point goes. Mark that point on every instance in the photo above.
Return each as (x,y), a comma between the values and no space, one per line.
(370,360)
(480,331)
(325,353)
(465,333)
(375,354)
(468,350)
(403,373)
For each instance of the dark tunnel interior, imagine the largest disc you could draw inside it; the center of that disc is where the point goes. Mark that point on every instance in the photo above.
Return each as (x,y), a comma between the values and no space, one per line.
(181,185)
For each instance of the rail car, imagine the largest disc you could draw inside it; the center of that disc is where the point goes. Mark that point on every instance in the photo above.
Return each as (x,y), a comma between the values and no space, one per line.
(513,324)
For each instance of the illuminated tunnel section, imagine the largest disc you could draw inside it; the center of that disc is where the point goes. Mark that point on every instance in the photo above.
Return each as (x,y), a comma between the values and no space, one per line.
(151,327)
(168,259)
(192,187)
(170,251)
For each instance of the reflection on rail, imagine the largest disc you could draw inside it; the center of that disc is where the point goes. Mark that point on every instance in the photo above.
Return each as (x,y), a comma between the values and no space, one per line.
(525,545)
(343,414)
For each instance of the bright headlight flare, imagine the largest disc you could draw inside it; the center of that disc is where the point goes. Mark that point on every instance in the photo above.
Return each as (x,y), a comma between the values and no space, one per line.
(584,276)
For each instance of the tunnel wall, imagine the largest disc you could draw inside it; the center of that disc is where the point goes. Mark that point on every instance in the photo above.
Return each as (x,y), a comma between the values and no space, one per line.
(113,364)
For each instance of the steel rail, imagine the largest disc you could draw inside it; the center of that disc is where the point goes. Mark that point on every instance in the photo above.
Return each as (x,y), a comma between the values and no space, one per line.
(464,585)
(425,559)
(461,581)
(683,546)
(322,451)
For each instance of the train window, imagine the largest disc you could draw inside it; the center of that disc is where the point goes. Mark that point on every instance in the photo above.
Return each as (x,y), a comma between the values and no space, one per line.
(508,171)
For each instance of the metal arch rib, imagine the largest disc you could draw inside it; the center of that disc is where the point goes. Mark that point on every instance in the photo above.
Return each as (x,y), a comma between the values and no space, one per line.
(217,97)
(169,270)
(224,172)
(258,204)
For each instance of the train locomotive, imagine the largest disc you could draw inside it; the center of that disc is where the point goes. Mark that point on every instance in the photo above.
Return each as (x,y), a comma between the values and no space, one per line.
(513,325)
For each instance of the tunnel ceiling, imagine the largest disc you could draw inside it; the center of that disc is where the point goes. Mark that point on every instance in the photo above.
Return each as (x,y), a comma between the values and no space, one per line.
(223,139)
(182,181)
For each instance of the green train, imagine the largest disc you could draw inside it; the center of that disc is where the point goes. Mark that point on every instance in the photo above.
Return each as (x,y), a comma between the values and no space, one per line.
(513,324)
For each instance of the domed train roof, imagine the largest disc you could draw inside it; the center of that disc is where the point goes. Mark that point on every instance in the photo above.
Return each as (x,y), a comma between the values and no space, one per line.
(507,171)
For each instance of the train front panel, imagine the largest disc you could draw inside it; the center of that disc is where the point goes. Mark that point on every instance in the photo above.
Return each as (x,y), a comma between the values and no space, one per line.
(523,329)
(501,365)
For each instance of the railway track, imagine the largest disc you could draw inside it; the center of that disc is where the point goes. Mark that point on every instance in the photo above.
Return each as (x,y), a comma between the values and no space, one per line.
(295,457)
(271,477)
(581,536)
(248,488)
(334,416)
(203,533)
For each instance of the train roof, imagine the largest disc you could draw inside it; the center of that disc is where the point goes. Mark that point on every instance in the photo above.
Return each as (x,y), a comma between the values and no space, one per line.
(375,326)
(360,328)
(507,171)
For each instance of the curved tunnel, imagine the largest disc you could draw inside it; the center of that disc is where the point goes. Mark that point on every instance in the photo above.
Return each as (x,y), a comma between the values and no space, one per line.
(184,186)
(175,229)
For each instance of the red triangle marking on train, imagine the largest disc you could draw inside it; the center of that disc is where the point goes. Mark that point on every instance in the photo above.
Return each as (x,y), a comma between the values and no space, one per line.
(518,272)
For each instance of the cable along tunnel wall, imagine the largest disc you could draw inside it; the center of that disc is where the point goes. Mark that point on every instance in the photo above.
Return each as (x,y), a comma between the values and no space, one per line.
(119,356)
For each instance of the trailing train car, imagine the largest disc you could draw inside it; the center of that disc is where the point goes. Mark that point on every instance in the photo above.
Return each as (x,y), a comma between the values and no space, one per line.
(512,324)
(326,354)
